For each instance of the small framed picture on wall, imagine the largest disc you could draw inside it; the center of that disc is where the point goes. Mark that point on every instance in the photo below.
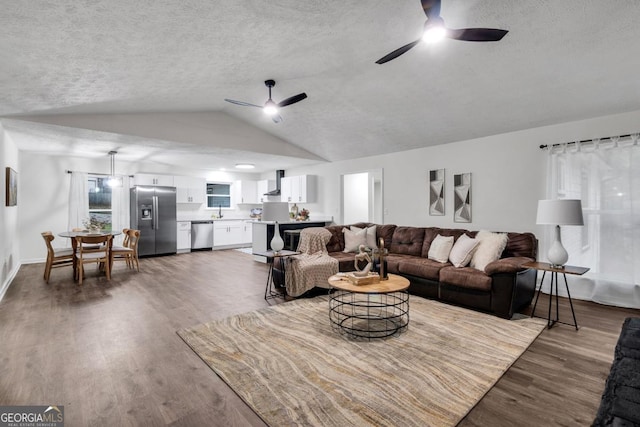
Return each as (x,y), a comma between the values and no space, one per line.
(12,188)
(436,192)
(462,197)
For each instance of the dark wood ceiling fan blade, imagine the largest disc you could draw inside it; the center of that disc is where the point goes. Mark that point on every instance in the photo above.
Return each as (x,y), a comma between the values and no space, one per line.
(292,100)
(431,8)
(244,104)
(477,34)
(397,52)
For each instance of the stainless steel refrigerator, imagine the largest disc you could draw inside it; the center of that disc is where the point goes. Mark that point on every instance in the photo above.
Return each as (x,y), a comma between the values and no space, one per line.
(153,212)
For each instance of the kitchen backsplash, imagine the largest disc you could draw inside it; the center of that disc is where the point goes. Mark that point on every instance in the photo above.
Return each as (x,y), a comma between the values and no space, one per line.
(187,212)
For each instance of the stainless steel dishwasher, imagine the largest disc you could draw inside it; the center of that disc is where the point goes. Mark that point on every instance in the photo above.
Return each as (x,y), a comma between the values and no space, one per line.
(201,234)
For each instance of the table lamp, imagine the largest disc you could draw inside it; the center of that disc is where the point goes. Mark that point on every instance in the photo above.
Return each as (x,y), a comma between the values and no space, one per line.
(559,212)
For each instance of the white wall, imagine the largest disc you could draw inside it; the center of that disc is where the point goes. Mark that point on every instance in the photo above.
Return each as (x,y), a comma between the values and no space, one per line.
(44,195)
(508,176)
(191,211)
(9,241)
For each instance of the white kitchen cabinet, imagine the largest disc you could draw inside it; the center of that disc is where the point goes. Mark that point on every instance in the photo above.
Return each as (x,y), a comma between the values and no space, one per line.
(190,189)
(153,179)
(246,192)
(264,186)
(227,233)
(184,236)
(298,189)
(307,188)
(286,189)
(247,232)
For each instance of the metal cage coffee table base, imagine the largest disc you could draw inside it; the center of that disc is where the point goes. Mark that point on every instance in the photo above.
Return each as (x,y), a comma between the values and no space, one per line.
(369,315)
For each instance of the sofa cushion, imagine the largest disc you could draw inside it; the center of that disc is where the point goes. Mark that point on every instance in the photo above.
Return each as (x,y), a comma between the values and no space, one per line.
(371,240)
(431,233)
(386,232)
(462,251)
(465,277)
(353,239)
(521,245)
(440,249)
(336,243)
(489,249)
(421,267)
(407,241)
(345,260)
(394,261)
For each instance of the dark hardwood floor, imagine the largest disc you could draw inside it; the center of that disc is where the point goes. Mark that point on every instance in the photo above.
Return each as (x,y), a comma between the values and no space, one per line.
(109,353)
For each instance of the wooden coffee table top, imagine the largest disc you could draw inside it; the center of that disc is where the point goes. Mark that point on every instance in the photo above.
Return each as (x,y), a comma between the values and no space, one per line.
(395,283)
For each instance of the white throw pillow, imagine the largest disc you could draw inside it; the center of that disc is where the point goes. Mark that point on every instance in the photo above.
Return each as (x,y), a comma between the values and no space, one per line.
(489,248)
(353,239)
(371,236)
(440,248)
(462,251)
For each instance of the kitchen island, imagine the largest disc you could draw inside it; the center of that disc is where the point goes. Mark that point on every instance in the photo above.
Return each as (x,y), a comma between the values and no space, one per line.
(263,233)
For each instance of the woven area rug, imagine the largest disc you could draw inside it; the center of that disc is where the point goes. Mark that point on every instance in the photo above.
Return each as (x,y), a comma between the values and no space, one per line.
(291,368)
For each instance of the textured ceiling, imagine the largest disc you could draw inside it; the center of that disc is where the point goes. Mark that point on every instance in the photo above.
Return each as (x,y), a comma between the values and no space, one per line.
(562,60)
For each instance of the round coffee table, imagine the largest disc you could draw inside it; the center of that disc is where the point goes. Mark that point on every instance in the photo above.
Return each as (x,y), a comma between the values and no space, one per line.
(377,310)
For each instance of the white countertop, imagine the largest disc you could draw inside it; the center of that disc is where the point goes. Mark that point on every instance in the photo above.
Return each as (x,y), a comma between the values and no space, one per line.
(257,221)
(213,219)
(319,219)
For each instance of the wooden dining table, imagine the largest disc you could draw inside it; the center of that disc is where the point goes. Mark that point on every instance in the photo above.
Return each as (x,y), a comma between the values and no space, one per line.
(74,243)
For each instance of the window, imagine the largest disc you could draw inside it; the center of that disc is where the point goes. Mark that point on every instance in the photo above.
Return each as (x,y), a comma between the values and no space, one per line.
(604,177)
(100,210)
(218,195)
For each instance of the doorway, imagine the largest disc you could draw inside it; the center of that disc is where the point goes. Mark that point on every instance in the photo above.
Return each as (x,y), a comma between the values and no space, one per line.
(362,197)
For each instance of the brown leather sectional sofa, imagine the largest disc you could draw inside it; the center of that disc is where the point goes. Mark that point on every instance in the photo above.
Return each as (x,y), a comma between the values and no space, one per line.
(503,288)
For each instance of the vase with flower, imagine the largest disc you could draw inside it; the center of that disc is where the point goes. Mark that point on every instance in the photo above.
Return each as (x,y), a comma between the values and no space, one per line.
(303,215)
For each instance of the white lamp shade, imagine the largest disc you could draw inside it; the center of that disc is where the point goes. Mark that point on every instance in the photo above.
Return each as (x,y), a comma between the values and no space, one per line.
(560,212)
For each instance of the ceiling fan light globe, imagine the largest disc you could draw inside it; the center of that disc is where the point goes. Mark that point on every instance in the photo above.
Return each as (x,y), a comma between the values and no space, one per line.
(270,108)
(434,33)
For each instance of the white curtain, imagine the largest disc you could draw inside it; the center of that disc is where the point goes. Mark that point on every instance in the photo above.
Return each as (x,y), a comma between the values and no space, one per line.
(78,200)
(605,175)
(120,208)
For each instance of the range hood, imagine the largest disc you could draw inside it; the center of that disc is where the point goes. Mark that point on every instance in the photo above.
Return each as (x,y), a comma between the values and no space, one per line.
(276,192)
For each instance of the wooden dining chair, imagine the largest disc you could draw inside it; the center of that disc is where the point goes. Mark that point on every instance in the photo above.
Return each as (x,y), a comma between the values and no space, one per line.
(129,250)
(55,257)
(100,256)
(86,245)
(125,240)
(134,238)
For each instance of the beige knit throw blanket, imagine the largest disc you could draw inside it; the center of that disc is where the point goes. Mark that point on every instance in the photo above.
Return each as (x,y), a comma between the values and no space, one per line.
(313,266)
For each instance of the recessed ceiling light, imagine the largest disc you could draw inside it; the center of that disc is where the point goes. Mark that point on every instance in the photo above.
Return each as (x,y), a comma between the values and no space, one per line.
(244,166)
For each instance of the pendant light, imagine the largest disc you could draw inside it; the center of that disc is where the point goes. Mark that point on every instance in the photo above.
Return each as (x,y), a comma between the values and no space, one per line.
(113,181)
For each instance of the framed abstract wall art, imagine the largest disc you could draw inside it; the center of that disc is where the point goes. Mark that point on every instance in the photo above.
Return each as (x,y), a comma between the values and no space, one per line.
(436,192)
(462,197)
(12,188)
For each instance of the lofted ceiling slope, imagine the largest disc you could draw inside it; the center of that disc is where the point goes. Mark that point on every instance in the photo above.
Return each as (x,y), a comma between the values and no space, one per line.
(561,61)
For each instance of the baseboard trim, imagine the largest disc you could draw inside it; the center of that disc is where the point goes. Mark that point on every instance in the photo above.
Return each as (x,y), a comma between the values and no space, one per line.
(33,261)
(7,283)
